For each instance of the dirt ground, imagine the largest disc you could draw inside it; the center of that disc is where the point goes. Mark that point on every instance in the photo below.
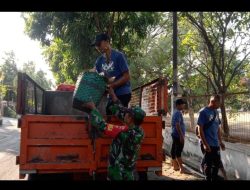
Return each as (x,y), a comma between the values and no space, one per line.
(169,174)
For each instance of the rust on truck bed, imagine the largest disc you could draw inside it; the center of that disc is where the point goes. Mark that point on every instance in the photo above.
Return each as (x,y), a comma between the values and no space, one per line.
(36,160)
(68,158)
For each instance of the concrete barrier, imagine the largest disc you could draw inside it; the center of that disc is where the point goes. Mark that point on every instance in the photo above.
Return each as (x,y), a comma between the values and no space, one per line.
(236,157)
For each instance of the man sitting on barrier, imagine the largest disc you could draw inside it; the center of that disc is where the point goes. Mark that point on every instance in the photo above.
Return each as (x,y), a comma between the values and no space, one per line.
(127,139)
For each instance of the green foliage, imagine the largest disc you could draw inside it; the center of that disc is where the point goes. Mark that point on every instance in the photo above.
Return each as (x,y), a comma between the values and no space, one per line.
(8,112)
(221,46)
(154,63)
(38,76)
(8,76)
(221,51)
(154,56)
(212,47)
(8,69)
(220,69)
(3,90)
(67,36)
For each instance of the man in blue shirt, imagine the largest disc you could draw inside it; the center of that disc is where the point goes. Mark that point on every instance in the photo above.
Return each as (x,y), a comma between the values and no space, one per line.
(113,64)
(210,135)
(178,136)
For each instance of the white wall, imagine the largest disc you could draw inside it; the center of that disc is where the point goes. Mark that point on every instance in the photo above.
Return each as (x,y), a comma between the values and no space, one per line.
(236,157)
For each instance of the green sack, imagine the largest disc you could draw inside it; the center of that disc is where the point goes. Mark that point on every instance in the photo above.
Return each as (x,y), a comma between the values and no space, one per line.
(90,87)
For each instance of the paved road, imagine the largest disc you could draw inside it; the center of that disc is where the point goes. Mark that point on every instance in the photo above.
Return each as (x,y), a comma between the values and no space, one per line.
(9,149)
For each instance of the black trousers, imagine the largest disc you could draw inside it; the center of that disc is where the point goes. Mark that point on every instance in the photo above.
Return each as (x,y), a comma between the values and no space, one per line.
(177,148)
(211,162)
(125,99)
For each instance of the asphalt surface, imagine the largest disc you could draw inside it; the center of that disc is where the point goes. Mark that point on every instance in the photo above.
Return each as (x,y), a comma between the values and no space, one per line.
(9,149)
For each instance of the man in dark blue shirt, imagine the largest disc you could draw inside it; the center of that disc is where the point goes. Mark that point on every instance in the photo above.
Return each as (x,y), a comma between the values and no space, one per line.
(210,134)
(178,136)
(113,64)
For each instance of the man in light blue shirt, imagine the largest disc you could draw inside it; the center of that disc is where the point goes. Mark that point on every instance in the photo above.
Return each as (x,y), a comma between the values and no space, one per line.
(210,136)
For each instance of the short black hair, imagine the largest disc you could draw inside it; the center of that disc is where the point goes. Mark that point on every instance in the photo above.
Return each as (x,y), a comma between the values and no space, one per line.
(179,102)
(215,97)
(101,37)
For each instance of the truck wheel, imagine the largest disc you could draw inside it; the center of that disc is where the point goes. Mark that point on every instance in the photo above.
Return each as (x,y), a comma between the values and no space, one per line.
(33,177)
(143,176)
(101,176)
(41,177)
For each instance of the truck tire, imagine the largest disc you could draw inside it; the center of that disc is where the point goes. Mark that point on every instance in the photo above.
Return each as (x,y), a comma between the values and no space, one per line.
(33,177)
(143,176)
(101,176)
(46,177)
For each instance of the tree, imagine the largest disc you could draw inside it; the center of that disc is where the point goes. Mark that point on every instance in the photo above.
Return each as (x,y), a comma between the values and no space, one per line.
(66,36)
(154,56)
(8,72)
(38,76)
(8,76)
(224,40)
(154,63)
(9,68)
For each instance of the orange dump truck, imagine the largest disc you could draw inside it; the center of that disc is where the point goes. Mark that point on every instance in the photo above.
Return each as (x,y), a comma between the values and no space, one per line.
(55,138)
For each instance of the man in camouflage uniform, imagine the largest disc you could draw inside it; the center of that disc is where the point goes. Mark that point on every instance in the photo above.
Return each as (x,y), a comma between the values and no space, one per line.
(127,140)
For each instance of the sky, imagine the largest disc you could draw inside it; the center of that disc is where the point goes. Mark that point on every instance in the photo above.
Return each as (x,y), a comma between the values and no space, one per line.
(12,37)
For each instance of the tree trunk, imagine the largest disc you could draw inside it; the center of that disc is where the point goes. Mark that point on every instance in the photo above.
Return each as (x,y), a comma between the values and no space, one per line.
(97,22)
(175,58)
(190,112)
(224,117)
(111,23)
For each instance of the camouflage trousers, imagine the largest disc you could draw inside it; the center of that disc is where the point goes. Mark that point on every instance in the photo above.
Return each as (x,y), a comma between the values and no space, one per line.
(118,173)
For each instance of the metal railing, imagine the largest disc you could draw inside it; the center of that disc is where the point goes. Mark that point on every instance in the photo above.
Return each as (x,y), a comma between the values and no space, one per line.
(237,112)
(152,97)
(30,96)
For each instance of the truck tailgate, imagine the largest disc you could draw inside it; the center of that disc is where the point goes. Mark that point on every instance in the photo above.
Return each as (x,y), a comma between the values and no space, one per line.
(54,144)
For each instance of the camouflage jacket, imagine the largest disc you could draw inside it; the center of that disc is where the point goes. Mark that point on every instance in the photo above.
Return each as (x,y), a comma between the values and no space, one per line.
(125,146)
